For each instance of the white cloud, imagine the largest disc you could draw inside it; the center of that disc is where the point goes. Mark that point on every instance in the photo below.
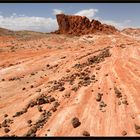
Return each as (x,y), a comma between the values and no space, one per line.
(89,13)
(42,24)
(119,25)
(127,21)
(15,22)
(57,11)
(114,23)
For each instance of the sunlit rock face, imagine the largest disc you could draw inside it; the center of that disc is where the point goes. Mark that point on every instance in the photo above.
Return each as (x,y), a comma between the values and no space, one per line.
(78,25)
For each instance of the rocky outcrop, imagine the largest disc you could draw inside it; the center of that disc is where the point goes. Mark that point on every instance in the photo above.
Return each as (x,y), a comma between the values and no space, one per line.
(78,25)
(135,32)
(5,32)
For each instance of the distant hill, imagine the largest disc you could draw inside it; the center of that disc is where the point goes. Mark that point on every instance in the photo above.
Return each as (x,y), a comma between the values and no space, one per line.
(6,32)
(23,34)
(132,31)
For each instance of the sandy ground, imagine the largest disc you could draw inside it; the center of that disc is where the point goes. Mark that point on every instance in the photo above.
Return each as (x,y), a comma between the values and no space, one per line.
(33,63)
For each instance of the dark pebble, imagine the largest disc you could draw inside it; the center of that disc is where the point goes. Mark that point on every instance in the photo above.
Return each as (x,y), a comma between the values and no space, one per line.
(85,133)
(75,122)
(5,115)
(6,130)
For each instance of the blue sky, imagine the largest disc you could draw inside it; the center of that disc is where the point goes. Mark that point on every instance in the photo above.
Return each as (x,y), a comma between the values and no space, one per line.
(41,16)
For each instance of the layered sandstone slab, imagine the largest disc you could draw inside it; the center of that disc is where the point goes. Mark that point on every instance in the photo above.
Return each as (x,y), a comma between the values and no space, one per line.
(70,86)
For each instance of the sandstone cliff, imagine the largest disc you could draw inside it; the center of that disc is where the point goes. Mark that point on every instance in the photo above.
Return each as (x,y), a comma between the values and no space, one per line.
(78,25)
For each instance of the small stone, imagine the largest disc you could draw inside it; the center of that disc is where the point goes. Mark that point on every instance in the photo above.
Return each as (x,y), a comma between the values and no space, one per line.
(39,108)
(47,65)
(133,116)
(52,99)
(32,73)
(4,124)
(34,129)
(98,97)
(138,131)
(5,115)
(41,100)
(49,113)
(3,80)
(75,122)
(24,110)
(8,120)
(137,127)
(37,125)
(86,78)
(29,121)
(93,77)
(56,104)
(33,103)
(6,130)
(98,68)
(31,86)
(74,87)
(117,92)
(53,109)
(125,102)
(23,88)
(18,113)
(119,103)
(106,75)
(30,132)
(67,70)
(38,90)
(33,135)
(102,104)
(86,133)
(61,89)
(124,133)
(67,95)
(41,118)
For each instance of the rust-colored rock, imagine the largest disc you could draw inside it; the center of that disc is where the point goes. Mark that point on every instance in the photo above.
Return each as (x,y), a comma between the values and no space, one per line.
(124,133)
(75,122)
(78,25)
(86,133)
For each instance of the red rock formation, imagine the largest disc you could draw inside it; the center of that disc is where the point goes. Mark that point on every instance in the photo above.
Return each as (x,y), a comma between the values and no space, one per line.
(78,25)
